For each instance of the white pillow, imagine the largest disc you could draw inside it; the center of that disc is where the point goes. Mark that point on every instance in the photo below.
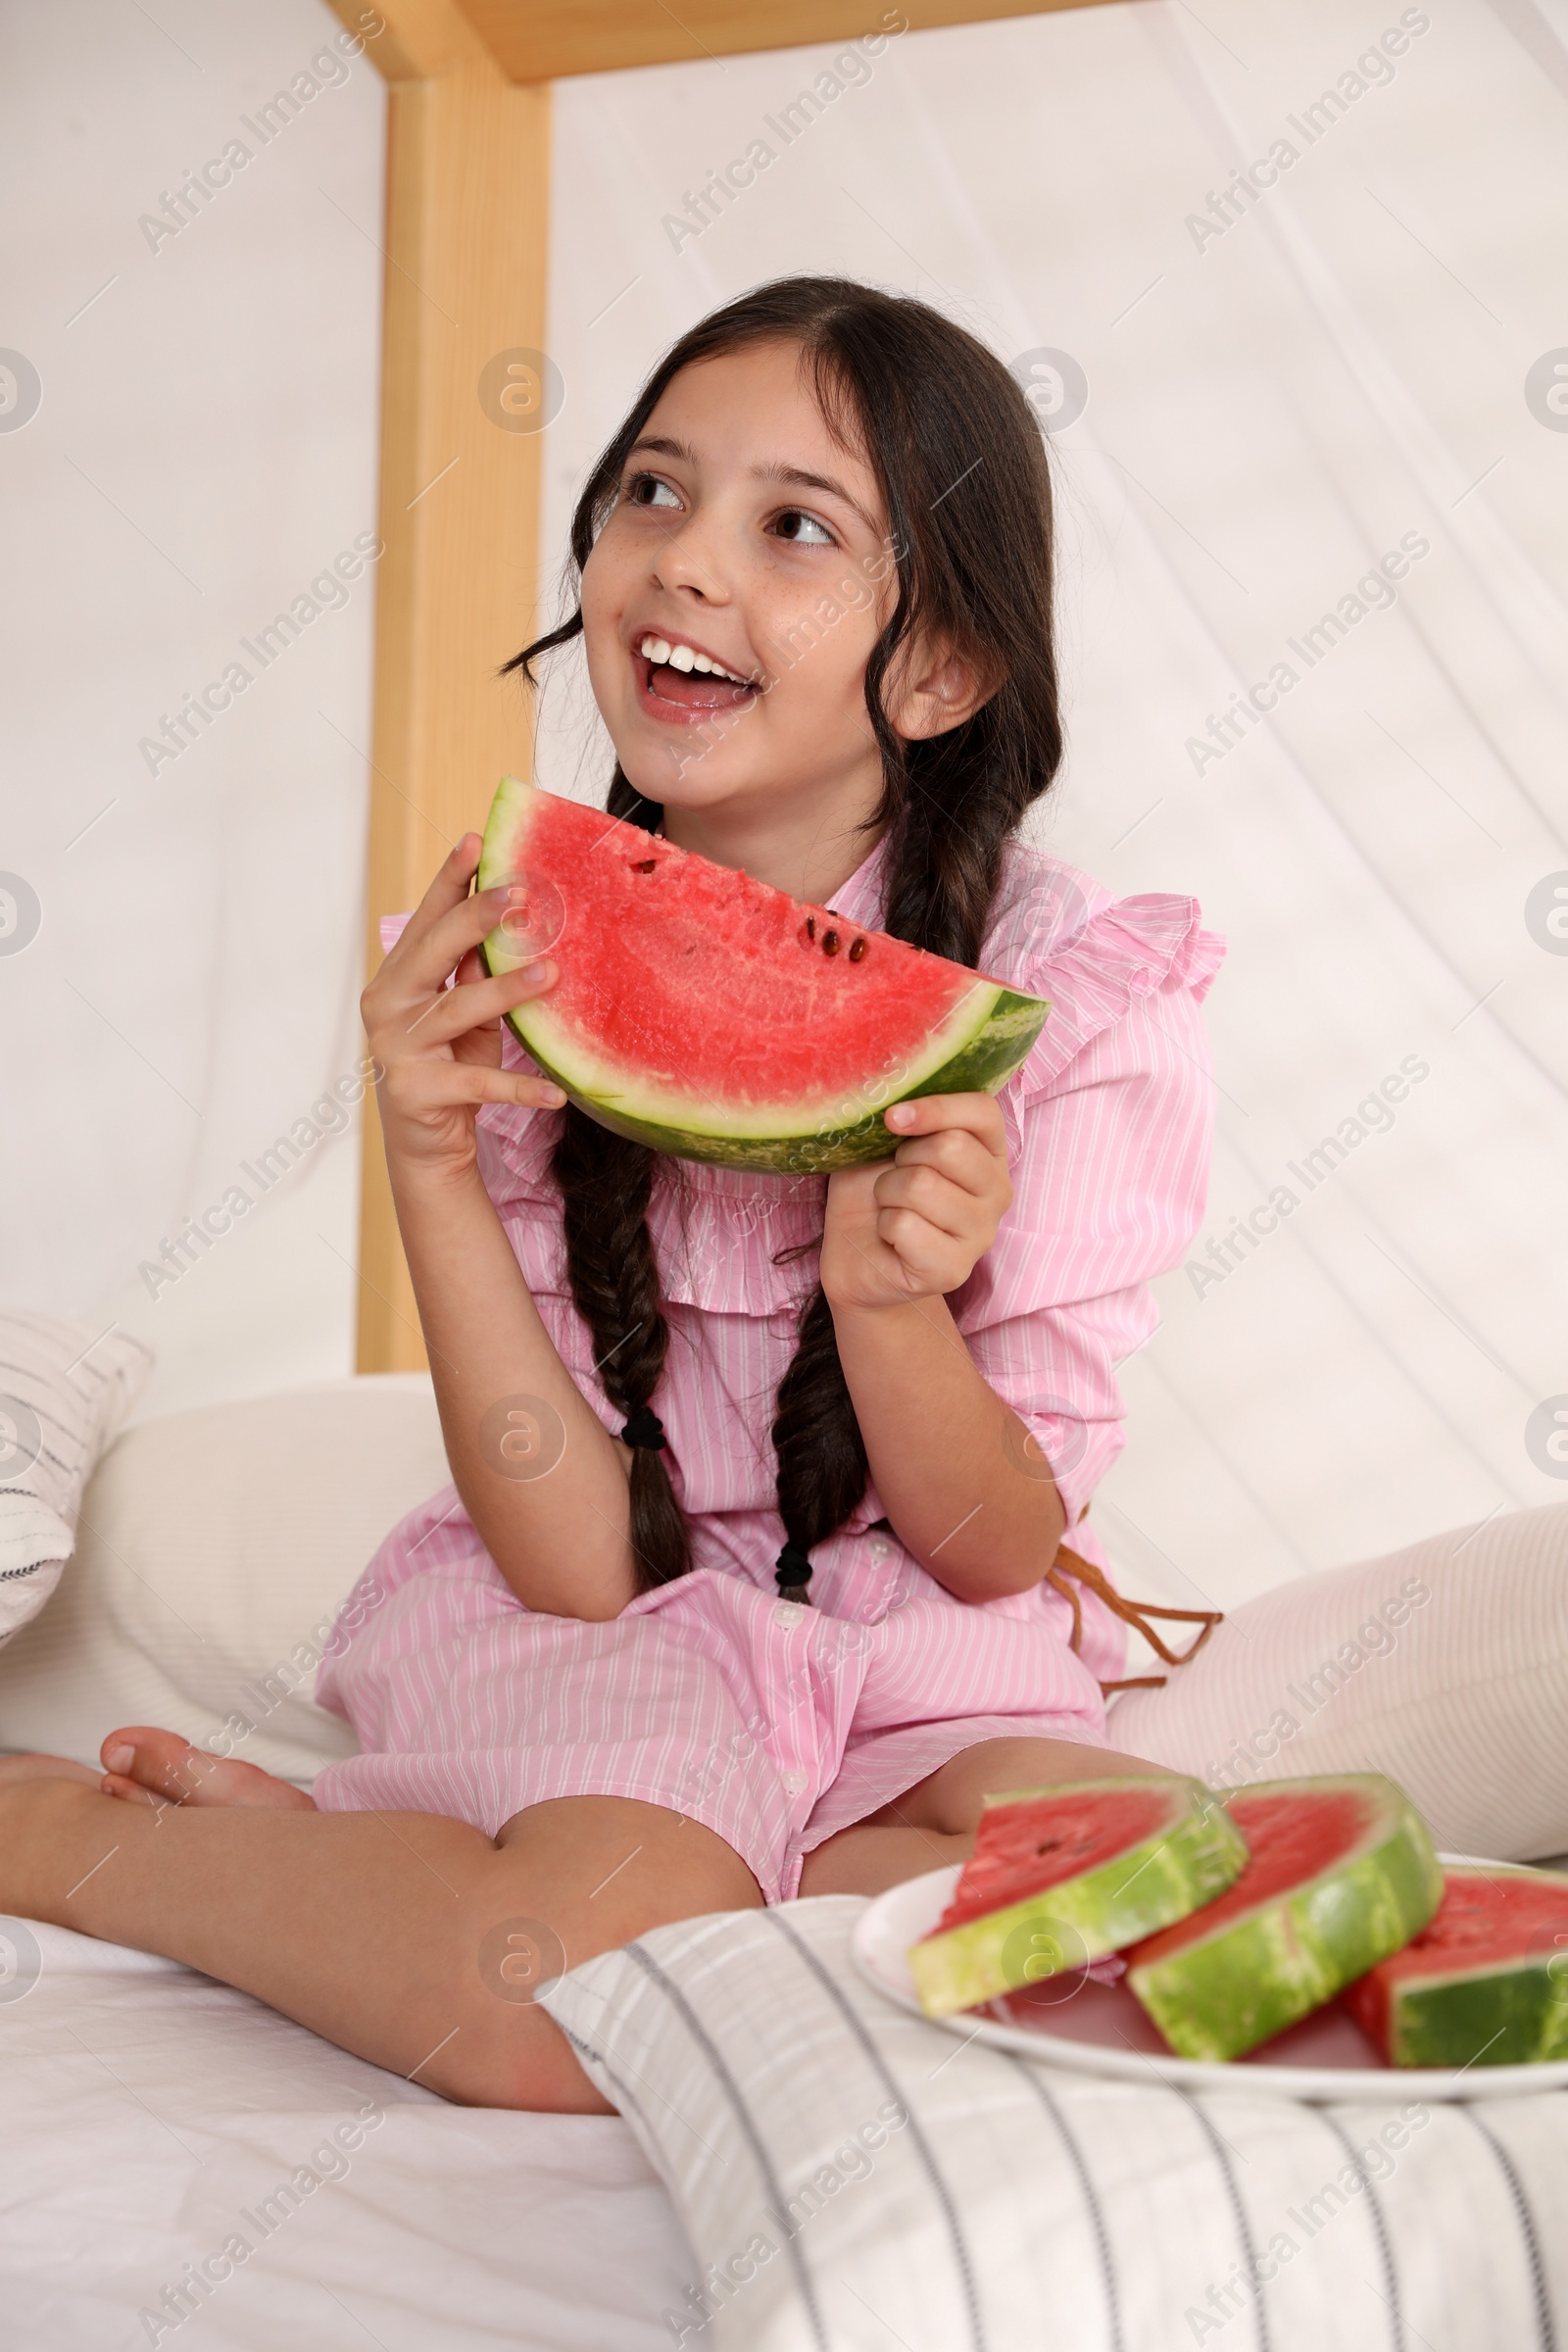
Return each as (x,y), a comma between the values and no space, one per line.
(1444,1665)
(64,1389)
(215,1547)
(853,2178)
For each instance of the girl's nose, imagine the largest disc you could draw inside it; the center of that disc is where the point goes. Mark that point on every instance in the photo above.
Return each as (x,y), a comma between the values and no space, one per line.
(687,561)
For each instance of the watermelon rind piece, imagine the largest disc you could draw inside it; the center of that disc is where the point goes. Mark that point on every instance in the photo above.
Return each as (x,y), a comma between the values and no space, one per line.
(975,1048)
(1191,1856)
(1214,1995)
(1441,2003)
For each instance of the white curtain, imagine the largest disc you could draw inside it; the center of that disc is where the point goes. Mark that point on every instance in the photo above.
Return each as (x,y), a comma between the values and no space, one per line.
(202,453)
(1353,365)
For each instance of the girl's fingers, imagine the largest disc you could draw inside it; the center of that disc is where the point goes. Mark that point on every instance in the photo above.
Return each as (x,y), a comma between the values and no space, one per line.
(931,1114)
(948,1207)
(450,921)
(439,1083)
(959,1154)
(422,957)
(451,1012)
(448,888)
(922,1249)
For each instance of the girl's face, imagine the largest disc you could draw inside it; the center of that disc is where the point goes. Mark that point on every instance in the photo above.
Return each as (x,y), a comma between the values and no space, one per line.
(731,600)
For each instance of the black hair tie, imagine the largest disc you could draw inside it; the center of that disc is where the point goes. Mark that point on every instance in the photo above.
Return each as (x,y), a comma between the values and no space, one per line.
(645,1429)
(792,1573)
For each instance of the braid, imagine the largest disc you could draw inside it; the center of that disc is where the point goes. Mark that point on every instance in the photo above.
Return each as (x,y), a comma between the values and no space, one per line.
(822,1467)
(605,1183)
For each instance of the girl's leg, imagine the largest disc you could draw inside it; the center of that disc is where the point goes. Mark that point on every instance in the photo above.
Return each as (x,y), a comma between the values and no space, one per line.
(411,1941)
(934,1822)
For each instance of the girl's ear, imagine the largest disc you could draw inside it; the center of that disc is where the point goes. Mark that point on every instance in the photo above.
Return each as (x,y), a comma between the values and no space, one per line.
(945,689)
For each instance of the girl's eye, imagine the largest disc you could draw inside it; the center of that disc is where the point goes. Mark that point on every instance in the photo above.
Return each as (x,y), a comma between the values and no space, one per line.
(647,490)
(803,530)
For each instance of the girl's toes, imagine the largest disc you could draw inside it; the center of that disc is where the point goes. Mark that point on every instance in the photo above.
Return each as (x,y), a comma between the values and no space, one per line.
(115,1784)
(142,1761)
(147,1764)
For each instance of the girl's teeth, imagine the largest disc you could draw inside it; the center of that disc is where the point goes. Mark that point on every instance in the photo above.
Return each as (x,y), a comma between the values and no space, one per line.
(681,657)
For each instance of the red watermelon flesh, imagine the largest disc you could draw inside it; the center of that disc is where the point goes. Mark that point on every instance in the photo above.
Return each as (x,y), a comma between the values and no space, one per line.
(1341,1874)
(1483,1983)
(1289,1841)
(1061,1877)
(1030,1843)
(717,1018)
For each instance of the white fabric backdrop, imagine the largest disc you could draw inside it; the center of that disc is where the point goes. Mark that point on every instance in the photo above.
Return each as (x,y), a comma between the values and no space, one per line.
(205,447)
(1270,409)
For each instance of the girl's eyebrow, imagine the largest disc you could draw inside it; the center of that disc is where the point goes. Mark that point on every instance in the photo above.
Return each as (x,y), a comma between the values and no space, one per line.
(795,476)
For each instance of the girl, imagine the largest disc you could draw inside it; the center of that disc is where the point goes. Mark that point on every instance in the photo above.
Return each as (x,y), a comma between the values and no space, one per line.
(752,1578)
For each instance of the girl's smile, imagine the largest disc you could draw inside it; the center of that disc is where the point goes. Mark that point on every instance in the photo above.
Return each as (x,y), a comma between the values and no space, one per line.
(680,683)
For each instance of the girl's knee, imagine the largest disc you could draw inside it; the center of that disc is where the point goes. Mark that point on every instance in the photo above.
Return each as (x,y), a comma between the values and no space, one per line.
(519,2060)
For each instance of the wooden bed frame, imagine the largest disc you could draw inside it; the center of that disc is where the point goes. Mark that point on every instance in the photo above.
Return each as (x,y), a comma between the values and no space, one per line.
(466,212)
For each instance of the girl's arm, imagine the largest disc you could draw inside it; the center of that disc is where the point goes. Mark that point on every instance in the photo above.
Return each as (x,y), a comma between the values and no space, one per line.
(543,1483)
(963,1483)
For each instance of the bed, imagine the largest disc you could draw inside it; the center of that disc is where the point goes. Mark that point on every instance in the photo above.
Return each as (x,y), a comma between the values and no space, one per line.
(153,2119)
(174,2155)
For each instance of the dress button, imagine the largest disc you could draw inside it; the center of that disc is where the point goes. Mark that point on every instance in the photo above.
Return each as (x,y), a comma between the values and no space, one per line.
(788,1612)
(881,1548)
(794,1782)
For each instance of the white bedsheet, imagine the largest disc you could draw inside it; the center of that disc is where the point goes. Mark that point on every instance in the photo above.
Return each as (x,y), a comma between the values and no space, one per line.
(147,2110)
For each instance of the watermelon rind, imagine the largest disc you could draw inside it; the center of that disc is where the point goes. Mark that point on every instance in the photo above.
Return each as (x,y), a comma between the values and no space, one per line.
(986,1063)
(1507,2012)
(1251,1975)
(975,1050)
(1194,1855)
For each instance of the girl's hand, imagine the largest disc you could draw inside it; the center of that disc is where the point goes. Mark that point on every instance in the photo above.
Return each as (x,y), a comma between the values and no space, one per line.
(440,1048)
(917,1229)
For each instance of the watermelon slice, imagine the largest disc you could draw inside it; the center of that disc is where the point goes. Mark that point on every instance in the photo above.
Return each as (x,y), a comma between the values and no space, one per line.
(717,1018)
(1059,1877)
(1341,1874)
(1484,1983)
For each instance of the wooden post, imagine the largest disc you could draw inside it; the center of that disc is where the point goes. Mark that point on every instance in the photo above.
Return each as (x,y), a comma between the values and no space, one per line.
(468,189)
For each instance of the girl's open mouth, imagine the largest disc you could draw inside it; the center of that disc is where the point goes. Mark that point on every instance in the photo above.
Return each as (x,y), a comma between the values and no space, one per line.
(680,685)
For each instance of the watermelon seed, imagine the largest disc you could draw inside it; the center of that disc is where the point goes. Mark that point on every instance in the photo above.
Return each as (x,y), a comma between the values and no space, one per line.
(858,951)
(811,926)
(646,865)
(830,943)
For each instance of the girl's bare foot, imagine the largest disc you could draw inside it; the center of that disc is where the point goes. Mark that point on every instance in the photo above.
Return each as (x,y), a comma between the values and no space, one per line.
(152,1767)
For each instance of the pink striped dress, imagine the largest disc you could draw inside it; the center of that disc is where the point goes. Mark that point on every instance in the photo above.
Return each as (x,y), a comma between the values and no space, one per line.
(774,1723)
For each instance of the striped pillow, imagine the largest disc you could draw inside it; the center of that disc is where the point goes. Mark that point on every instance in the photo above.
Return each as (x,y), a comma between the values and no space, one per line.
(64,1389)
(851,2176)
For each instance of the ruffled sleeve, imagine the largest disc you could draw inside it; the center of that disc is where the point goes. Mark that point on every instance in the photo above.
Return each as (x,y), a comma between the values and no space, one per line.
(1109,1125)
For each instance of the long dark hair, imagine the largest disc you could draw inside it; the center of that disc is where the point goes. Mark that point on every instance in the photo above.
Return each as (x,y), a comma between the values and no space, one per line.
(959,455)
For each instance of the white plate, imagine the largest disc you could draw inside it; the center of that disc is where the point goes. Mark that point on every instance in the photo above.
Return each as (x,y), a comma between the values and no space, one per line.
(1100,2030)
